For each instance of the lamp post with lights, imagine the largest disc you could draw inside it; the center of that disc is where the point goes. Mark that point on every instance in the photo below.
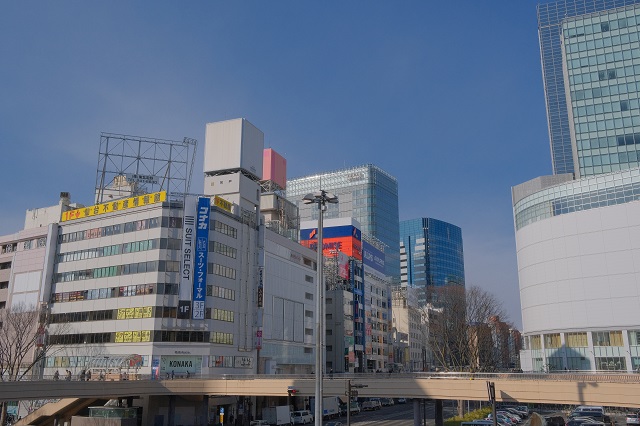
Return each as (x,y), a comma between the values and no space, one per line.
(321,198)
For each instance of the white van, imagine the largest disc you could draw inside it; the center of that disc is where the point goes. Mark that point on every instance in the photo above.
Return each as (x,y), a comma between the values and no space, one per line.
(301,417)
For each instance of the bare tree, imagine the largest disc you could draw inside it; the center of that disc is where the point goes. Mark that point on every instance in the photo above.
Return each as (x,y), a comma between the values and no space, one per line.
(23,344)
(460,333)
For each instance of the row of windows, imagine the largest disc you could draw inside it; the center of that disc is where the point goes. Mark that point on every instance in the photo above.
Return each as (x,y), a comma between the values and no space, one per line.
(225,229)
(607,107)
(221,292)
(142,336)
(606,159)
(139,225)
(223,249)
(105,231)
(574,49)
(135,313)
(223,315)
(83,361)
(602,27)
(135,290)
(584,195)
(222,271)
(118,270)
(614,89)
(603,75)
(579,340)
(110,292)
(611,124)
(133,247)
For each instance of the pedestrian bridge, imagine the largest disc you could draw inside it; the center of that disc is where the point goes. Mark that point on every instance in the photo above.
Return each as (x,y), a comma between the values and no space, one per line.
(618,390)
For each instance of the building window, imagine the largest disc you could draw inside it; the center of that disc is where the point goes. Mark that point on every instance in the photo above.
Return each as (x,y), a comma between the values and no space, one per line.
(536,342)
(308,296)
(576,340)
(308,314)
(611,363)
(552,340)
(634,337)
(607,338)
(308,350)
(308,332)
(308,278)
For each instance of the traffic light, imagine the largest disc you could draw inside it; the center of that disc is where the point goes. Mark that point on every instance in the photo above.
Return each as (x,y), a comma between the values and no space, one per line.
(292,392)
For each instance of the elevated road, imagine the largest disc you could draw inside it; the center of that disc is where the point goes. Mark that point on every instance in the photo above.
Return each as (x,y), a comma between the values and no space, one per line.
(576,389)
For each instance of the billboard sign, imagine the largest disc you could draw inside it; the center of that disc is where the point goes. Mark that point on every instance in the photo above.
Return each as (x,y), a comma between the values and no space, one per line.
(372,257)
(346,238)
(200,265)
(222,203)
(188,256)
(115,206)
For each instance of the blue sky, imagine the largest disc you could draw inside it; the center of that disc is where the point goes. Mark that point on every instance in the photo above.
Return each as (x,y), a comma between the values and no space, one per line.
(445,96)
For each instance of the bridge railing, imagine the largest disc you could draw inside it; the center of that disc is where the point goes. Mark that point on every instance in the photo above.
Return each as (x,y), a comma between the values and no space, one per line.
(574,376)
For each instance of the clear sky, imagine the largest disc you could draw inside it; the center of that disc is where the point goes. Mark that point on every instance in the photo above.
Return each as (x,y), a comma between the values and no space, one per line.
(446,96)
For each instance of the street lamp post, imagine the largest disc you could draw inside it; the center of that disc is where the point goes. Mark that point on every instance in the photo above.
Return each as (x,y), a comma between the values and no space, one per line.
(321,198)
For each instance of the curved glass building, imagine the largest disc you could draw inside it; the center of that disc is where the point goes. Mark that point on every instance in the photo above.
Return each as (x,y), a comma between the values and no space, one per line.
(431,255)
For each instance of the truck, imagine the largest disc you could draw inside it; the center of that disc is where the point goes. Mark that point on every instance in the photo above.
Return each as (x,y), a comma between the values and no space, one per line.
(330,407)
(277,416)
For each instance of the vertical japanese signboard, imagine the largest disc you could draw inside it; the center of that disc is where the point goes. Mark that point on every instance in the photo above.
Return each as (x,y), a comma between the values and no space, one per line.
(188,256)
(200,265)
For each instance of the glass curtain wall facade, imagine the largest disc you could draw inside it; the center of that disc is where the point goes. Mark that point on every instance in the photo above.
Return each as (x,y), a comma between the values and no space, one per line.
(366,193)
(431,255)
(602,60)
(550,19)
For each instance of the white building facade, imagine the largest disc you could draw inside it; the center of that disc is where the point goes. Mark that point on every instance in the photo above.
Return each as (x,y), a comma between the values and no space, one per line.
(579,272)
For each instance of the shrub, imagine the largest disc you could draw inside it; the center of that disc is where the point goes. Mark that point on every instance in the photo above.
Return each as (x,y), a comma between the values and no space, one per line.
(468,417)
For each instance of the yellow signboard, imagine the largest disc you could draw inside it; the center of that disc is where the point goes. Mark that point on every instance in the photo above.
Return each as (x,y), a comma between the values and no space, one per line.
(222,203)
(134,313)
(115,206)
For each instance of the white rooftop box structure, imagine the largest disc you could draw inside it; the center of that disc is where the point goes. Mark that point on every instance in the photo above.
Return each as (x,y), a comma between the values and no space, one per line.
(233,145)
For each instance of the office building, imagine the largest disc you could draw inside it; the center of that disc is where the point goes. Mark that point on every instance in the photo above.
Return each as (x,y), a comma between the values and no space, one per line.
(160,287)
(551,17)
(431,256)
(366,193)
(358,299)
(575,231)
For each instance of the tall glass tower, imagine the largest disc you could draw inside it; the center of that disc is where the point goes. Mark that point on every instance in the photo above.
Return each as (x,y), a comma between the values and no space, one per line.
(431,255)
(366,193)
(550,19)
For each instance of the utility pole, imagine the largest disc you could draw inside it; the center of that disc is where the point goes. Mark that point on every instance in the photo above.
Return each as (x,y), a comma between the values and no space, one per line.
(491,390)
(351,394)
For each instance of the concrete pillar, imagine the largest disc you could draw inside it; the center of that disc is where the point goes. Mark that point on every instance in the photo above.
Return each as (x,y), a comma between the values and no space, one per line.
(172,411)
(438,412)
(203,411)
(417,412)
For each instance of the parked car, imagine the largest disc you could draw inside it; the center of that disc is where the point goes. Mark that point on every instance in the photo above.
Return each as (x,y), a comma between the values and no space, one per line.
(516,411)
(301,417)
(512,416)
(555,420)
(502,418)
(401,400)
(587,421)
(354,408)
(371,405)
(259,423)
(334,423)
(386,402)
(633,419)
